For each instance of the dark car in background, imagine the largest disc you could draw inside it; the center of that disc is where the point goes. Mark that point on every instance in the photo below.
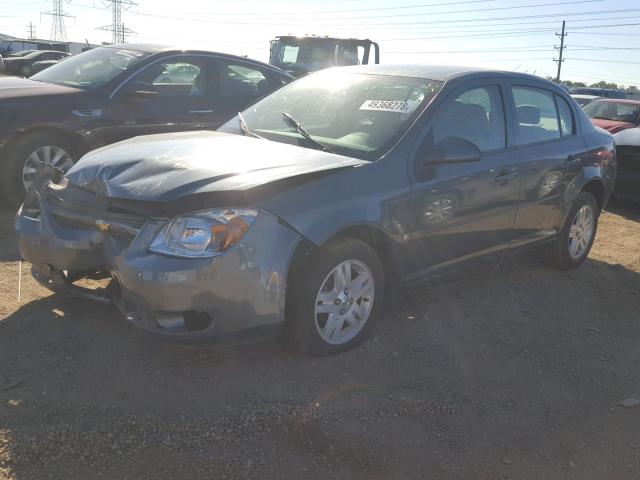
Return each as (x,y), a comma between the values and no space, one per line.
(39,66)
(614,115)
(22,65)
(600,92)
(116,92)
(303,212)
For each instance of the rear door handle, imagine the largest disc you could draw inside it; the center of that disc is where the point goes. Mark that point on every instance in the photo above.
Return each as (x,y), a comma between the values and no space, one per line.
(201,110)
(505,175)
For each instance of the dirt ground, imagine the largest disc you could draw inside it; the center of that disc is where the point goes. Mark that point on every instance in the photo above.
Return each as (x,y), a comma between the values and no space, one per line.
(515,374)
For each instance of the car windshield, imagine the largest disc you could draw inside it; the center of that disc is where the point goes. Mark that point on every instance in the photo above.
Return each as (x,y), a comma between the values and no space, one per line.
(92,68)
(22,53)
(621,112)
(358,115)
(35,54)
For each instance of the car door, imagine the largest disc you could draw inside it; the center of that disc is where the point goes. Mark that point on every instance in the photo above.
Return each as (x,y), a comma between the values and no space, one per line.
(465,181)
(550,151)
(173,94)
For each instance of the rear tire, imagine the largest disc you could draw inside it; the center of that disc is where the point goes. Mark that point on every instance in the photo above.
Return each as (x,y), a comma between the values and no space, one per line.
(576,238)
(21,160)
(337,298)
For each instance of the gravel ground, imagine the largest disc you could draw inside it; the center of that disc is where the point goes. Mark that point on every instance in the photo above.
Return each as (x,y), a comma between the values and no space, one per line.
(515,373)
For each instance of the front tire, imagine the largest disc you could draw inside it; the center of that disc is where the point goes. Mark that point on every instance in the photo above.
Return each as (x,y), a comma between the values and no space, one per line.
(24,157)
(578,233)
(337,297)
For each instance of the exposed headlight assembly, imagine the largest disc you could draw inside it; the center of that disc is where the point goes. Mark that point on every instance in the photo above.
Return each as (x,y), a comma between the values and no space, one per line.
(202,234)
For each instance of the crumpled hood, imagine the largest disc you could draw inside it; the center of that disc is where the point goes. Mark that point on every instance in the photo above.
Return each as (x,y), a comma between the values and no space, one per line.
(169,166)
(14,87)
(611,126)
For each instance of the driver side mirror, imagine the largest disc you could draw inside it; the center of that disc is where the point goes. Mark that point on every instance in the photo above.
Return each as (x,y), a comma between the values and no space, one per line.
(453,150)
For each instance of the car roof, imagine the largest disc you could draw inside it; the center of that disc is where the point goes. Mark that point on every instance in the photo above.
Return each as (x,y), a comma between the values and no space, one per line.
(625,101)
(154,48)
(437,72)
(44,51)
(584,95)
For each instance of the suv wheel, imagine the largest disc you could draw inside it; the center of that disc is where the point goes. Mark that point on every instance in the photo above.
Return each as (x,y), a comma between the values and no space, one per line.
(338,297)
(578,233)
(25,158)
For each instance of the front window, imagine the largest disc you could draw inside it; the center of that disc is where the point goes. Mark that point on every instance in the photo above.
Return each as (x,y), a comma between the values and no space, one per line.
(180,76)
(352,114)
(92,68)
(619,112)
(476,116)
(307,56)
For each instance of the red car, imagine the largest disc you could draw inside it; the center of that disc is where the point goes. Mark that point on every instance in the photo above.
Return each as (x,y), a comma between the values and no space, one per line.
(614,115)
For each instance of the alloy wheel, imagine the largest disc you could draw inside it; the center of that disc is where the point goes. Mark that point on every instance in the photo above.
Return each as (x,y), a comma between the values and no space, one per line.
(344,302)
(49,155)
(581,231)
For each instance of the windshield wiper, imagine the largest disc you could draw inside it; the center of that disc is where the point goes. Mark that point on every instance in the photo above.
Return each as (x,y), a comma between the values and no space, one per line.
(245,129)
(293,123)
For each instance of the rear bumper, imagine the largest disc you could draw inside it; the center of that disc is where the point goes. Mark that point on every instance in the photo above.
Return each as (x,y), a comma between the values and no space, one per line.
(238,293)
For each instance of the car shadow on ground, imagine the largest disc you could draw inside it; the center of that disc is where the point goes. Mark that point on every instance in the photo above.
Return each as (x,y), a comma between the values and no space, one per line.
(502,363)
(8,241)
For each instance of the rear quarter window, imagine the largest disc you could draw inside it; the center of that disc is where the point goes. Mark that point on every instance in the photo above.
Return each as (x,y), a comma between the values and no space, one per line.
(565,112)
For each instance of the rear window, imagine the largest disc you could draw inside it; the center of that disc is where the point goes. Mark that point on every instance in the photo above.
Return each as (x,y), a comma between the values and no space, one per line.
(537,115)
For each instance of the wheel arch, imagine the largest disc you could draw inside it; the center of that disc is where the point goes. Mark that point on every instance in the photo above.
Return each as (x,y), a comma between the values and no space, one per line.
(372,235)
(595,188)
(79,143)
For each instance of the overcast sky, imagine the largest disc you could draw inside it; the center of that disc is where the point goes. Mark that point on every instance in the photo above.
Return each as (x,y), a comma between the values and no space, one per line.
(603,41)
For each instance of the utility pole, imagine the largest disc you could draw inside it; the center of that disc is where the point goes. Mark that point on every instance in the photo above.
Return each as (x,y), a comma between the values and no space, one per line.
(58,31)
(561,50)
(119,31)
(32,31)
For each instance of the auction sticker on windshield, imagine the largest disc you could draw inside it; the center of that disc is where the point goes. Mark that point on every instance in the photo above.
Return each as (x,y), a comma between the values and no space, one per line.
(386,106)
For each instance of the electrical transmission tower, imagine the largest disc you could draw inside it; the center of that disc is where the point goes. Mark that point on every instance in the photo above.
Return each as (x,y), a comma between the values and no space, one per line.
(119,31)
(58,31)
(32,31)
(560,49)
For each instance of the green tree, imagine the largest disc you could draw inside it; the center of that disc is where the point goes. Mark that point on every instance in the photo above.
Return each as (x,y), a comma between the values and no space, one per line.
(603,84)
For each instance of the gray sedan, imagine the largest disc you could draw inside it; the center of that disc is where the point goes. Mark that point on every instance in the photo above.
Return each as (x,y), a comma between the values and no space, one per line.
(304,213)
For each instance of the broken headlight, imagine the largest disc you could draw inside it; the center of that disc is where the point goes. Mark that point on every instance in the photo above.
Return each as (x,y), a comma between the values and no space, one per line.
(202,234)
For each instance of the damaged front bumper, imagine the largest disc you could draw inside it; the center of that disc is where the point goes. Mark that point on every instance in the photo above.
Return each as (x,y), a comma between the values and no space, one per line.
(237,293)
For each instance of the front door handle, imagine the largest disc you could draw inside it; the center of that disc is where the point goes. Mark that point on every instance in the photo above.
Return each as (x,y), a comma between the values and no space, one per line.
(201,110)
(505,175)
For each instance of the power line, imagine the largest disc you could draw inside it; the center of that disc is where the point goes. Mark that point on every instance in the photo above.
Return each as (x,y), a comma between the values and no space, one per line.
(544,48)
(403,25)
(604,61)
(351,24)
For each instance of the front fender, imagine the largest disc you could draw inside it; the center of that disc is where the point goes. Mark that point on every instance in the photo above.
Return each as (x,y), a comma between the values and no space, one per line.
(371,195)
